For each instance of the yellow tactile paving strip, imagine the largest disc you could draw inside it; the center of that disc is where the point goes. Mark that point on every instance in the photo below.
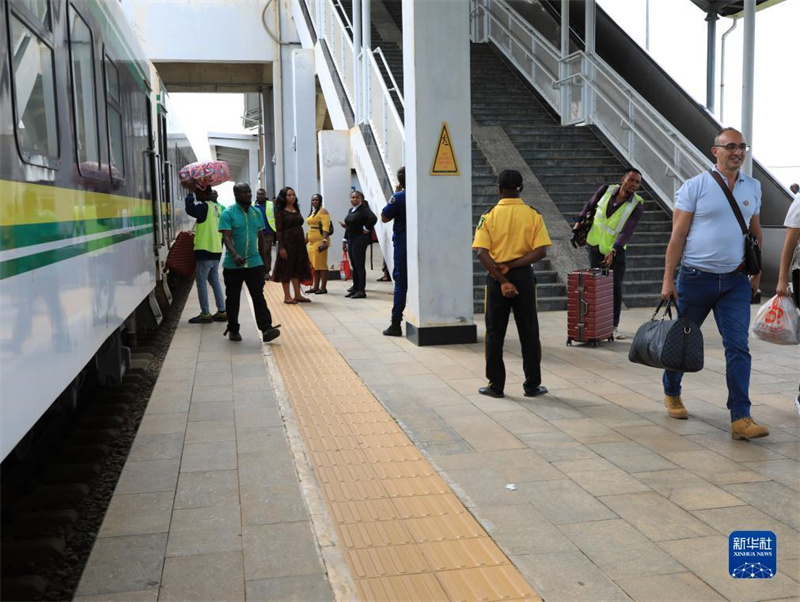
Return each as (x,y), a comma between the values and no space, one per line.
(405,535)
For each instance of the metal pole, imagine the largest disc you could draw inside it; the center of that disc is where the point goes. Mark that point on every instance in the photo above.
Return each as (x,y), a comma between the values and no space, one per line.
(748,76)
(356,20)
(722,72)
(562,65)
(366,43)
(589,26)
(711,59)
(647,25)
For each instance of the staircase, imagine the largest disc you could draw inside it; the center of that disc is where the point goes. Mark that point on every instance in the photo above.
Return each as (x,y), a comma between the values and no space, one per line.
(571,163)
(392,52)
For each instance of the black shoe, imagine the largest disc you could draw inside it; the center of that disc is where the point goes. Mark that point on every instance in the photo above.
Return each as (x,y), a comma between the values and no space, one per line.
(350,294)
(233,335)
(359,295)
(270,334)
(202,319)
(489,392)
(220,316)
(540,390)
(394,330)
(352,289)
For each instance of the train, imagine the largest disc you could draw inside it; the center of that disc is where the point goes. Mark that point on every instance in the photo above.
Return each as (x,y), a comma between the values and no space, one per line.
(89,154)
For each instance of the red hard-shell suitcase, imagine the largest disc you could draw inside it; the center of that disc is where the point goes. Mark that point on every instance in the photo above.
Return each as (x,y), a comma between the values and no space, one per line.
(590,306)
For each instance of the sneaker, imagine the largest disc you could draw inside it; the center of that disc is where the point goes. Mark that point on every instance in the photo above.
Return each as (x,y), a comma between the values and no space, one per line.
(746,428)
(618,335)
(220,316)
(202,319)
(394,330)
(675,407)
(270,334)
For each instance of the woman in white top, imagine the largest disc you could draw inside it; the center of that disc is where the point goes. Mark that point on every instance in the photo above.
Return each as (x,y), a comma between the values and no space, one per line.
(790,260)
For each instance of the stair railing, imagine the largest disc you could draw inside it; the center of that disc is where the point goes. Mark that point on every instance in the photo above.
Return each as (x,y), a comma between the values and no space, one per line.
(380,111)
(591,92)
(395,88)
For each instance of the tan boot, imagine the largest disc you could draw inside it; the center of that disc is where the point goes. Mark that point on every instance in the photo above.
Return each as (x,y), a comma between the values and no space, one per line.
(675,407)
(746,428)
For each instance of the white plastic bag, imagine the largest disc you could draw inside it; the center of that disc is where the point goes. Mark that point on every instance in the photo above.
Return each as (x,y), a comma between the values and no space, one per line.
(777,321)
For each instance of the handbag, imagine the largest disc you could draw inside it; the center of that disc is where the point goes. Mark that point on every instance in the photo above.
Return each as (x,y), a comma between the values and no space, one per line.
(180,259)
(344,267)
(668,344)
(752,250)
(580,233)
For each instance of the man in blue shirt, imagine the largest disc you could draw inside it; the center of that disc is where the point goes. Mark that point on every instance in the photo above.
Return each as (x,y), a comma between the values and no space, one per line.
(396,210)
(708,241)
(242,228)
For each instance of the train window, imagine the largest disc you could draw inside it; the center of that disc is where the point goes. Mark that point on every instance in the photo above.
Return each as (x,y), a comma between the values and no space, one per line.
(39,10)
(114,111)
(34,94)
(83,90)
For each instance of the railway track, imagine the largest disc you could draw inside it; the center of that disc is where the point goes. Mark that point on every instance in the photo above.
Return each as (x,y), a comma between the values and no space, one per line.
(54,501)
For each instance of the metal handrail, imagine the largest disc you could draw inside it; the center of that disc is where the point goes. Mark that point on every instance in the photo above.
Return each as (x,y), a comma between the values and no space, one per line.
(344,12)
(395,87)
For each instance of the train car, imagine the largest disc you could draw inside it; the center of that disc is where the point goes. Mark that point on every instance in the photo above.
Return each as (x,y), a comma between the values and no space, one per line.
(88,184)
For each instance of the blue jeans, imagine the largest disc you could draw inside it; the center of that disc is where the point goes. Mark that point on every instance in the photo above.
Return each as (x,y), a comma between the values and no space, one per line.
(208,271)
(728,295)
(400,277)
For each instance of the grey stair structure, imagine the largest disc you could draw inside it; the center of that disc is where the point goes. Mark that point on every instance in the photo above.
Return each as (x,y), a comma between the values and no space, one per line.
(571,163)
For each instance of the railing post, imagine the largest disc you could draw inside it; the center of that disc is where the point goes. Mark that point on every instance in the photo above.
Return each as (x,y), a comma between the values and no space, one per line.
(563,68)
(631,125)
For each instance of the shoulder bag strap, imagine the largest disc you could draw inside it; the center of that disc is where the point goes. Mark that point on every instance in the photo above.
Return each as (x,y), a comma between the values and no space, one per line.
(729,195)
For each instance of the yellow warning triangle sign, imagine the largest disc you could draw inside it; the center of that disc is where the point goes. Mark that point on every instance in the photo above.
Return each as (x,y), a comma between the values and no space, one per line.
(444,161)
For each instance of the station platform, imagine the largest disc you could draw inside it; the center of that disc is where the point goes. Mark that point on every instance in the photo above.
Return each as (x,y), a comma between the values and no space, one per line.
(336,463)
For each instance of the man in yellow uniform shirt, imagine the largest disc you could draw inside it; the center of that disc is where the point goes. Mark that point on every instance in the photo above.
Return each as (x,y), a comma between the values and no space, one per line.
(510,237)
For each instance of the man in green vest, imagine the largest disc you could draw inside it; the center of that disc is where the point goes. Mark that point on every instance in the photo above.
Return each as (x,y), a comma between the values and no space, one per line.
(207,253)
(267,209)
(617,210)
(242,227)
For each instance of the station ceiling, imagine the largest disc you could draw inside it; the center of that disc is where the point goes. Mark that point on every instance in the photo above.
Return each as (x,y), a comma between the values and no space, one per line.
(214,77)
(731,8)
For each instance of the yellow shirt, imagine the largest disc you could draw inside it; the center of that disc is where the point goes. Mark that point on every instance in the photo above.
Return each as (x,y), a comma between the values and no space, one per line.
(510,230)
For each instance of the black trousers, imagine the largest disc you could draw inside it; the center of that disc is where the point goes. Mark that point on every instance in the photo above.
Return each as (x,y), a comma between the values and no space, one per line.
(498,309)
(357,251)
(618,269)
(254,279)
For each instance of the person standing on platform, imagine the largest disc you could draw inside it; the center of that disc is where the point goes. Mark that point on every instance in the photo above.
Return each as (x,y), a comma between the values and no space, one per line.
(242,227)
(207,253)
(267,209)
(292,264)
(318,239)
(617,210)
(510,237)
(358,227)
(789,269)
(707,240)
(395,211)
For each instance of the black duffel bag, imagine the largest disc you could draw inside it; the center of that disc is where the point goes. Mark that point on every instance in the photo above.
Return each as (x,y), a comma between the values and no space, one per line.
(668,344)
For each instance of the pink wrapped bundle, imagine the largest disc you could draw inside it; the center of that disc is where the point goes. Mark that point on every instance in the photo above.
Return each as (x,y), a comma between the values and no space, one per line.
(205,173)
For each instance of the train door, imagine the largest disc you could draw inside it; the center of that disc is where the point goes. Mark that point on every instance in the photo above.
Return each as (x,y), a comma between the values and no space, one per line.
(151,161)
(166,173)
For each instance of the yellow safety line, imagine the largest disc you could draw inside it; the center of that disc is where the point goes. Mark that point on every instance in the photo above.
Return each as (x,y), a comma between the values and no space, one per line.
(405,535)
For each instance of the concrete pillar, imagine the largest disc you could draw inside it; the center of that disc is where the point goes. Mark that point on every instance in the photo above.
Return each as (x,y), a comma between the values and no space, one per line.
(334,176)
(356,20)
(590,25)
(268,141)
(562,66)
(437,90)
(305,125)
(366,53)
(748,77)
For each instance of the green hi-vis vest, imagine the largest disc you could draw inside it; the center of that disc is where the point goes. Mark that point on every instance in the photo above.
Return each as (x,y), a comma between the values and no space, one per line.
(269,211)
(206,235)
(605,230)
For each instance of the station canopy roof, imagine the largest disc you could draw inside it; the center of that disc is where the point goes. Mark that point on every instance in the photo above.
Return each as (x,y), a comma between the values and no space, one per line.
(731,8)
